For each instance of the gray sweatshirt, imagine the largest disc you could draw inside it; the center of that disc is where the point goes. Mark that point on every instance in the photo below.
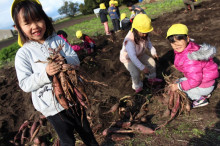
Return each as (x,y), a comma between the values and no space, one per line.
(32,76)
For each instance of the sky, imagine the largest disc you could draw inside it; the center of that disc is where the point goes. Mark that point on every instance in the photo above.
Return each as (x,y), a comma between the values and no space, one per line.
(50,7)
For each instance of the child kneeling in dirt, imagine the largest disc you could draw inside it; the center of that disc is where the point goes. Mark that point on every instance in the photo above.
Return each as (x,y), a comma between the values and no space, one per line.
(88,43)
(195,62)
(38,39)
(133,55)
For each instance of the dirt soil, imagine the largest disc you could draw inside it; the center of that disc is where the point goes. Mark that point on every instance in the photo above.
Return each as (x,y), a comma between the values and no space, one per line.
(200,127)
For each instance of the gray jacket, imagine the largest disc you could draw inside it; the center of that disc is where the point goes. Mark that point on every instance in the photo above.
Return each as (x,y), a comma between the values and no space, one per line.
(32,76)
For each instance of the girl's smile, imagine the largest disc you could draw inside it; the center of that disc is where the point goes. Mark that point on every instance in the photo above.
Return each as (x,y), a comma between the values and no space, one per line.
(179,45)
(33,29)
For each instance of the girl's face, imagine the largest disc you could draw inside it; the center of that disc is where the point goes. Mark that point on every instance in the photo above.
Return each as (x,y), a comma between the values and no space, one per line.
(142,35)
(33,29)
(179,45)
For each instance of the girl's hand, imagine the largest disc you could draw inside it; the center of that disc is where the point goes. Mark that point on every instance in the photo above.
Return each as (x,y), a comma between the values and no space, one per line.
(173,87)
(69,67)
(146,70)
(53,68)
(58,58)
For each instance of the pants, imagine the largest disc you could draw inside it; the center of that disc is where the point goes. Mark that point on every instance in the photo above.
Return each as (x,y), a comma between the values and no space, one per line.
(67,121)
(135,72)
(106,27)
(188,2)
(116,24)
(196,93)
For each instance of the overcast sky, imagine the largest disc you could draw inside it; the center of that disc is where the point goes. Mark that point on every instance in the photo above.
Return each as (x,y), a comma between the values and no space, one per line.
(50,7)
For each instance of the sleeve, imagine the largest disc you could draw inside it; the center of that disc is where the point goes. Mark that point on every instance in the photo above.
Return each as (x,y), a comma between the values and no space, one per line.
(130,48)
(151,47)
(193,73)
(28,80)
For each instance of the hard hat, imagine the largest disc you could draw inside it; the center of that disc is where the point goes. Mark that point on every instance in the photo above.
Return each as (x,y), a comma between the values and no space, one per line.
(102,6)
(142,23)
(177,29)
(123,15)
(116,3)
(111,2)
(79,34)
(20,43)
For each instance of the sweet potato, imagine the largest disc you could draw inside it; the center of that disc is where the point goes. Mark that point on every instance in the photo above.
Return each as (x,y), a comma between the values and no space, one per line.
(59,93)
(176,105)
(142,129)
(118,137)
(112,109)
(171,100)
(33,127)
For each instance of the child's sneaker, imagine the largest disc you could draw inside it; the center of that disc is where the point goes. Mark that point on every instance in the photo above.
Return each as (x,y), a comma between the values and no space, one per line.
(139,90)
(202,101)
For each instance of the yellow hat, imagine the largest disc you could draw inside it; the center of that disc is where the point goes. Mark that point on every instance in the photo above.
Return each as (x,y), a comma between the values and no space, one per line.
(142,23)
(20,43)
(111,2)
(116,3)
(79,34)
(177,29)
(102,6)
(123,15)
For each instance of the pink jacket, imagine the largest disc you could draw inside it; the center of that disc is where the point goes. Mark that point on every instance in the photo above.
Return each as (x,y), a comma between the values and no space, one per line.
(74,47)
(197,65)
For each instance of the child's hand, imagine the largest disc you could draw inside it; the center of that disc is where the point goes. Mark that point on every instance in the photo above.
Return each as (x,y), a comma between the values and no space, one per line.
(173,87)
(58,58)
(69,67)
(146,70)
(53,68)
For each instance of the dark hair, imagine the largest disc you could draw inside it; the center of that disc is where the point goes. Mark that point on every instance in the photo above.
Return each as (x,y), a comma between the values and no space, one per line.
(177,37)
(129,4)
(61,32)
(32,10)
(137,37)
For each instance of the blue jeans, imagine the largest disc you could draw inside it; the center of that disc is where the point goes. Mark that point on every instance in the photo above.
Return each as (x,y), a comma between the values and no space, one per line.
(197,92)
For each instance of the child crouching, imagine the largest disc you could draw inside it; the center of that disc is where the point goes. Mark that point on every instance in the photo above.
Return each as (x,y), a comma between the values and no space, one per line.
(196,63)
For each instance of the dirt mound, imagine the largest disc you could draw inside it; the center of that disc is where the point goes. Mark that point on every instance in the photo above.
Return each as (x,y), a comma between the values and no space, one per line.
(104,66)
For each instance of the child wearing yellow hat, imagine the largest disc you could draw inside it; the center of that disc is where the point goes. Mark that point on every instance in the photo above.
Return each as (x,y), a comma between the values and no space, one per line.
(133,54)
(38,40)
(196,63)
(114,16)
(125,22)
(189,5)
(88,42)
(103,17)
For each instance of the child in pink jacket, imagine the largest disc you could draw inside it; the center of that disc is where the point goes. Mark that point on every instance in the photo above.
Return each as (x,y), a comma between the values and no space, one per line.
(196,63)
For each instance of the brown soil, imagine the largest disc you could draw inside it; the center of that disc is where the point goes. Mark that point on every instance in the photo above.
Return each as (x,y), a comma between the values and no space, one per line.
(201,127)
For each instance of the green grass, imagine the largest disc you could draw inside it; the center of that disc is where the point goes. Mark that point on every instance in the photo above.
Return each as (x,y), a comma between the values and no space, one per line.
(94,27)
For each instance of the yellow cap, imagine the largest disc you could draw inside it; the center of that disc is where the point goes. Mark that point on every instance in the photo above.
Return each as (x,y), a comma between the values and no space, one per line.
(79,34)
(116,3)
(123,15)
(102,6)
(176,29)
(142,23)
(20,43)
(111,2)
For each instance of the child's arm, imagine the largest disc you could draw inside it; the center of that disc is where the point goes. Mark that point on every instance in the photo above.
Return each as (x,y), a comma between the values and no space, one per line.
(130,48)
(151,48)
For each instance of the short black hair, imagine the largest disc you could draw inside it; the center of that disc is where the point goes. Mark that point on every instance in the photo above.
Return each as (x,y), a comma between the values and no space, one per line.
(177,37)
(129,4)
(61,32)
(32,10)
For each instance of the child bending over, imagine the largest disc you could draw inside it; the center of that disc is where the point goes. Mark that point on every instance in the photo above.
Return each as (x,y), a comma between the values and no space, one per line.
(133,55)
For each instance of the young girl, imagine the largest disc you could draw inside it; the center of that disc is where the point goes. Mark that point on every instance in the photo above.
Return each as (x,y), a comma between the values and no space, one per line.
(133,55)
(196,63)
(64,36)
(114,16)
(103,17)
(37,35)
(89,44)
